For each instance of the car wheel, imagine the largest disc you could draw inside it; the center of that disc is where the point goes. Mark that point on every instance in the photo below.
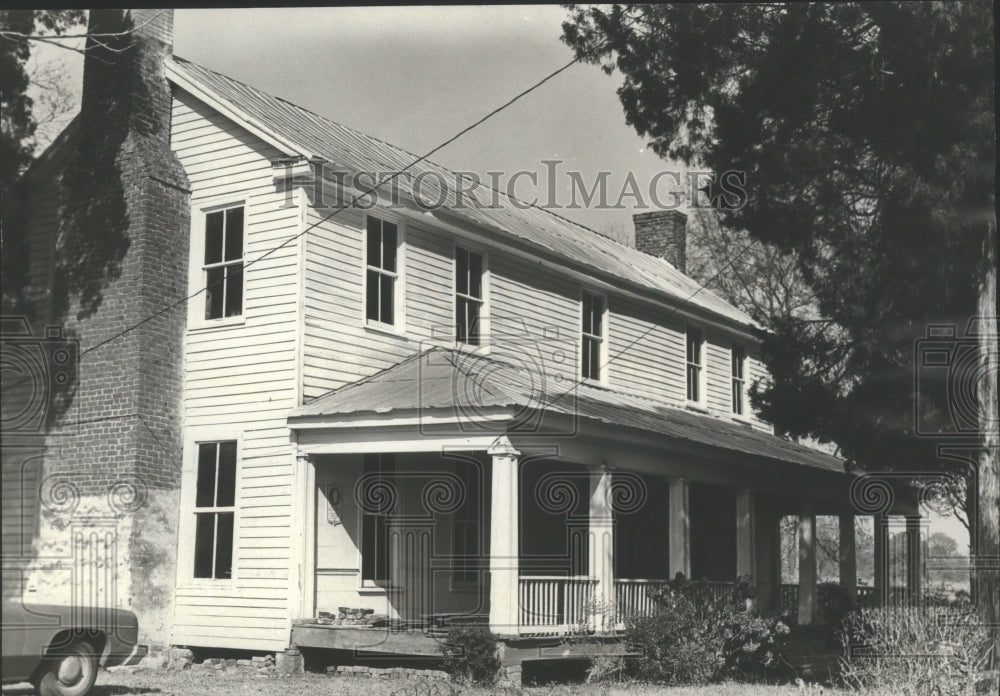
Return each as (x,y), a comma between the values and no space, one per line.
(70,673)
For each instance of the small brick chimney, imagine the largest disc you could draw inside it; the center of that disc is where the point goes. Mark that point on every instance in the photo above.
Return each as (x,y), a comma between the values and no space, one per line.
(663,233)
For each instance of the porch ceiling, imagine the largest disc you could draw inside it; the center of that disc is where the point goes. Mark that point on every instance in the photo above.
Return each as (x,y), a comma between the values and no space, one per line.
(465,387)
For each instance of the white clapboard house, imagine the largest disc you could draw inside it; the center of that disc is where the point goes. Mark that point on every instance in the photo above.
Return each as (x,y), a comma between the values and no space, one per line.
(486,411)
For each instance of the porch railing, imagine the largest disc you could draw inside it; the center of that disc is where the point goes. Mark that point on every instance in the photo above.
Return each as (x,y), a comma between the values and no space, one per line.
(555,603)
(632,597)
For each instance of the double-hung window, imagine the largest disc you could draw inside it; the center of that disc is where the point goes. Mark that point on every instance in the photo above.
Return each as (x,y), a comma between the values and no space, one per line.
(381,274)
(215,510)
(223,267)
(592,336)
(468,296)
(739,361)
(695,364)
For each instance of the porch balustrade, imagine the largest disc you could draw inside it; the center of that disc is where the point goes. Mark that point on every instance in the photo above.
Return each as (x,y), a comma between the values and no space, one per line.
(556,603)
(632,597)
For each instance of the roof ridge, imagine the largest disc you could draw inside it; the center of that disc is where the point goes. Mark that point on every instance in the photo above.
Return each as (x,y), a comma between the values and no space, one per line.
(415,156)
(605,254)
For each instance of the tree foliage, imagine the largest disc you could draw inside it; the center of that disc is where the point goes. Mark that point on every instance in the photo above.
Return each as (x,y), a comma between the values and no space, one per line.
(866,134)
(17,135)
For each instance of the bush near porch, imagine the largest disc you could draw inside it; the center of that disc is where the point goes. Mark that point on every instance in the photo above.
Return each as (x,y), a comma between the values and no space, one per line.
(700,634)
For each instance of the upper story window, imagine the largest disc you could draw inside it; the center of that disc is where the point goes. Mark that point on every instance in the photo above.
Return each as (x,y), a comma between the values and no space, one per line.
(468,296)
(592,336)
(215,510)
(223,267)
(739,366)
(382,273)
(695,365)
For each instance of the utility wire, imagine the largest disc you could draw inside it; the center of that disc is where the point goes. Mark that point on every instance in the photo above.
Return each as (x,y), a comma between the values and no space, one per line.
(354,200)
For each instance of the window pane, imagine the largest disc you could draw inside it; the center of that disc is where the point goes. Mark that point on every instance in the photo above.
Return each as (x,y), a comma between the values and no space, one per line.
(692,383)
(371,298)
(461,320)
(462,271)
(738,398)
(234,290)
(586,313)
(587,358)
(386,299)
(224,546)
(472,312)
(694,346)
(234,234)
(213,237)
(737,366)
(203,536)
(597,307)
(226,495)
(475,275)
(374,253)
(388,246)
(205,493)
(214,292)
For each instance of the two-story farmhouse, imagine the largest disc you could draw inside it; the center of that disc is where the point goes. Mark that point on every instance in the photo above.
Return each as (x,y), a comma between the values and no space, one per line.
(483,410)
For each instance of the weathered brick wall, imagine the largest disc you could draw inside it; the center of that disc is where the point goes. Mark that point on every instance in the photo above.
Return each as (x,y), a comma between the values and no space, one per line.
(115,443)
(663,233)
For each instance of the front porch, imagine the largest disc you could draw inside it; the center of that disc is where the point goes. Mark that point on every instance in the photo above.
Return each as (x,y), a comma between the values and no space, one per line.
(561,528)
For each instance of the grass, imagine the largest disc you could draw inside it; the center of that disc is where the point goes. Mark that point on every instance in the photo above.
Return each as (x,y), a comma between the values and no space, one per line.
(237,682)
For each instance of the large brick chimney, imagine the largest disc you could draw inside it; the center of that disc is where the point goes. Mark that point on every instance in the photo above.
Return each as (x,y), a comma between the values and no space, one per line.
(115,444)
(663,233)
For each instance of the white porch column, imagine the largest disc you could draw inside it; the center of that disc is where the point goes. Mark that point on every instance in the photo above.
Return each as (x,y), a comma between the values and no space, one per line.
(746,556)
(848,556)
(914,557)
(601,546)
(680,529)
(807,566)
(504,548)
(303,577)
(880,526)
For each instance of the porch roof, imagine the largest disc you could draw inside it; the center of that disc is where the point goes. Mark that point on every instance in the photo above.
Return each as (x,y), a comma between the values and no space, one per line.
(464,384)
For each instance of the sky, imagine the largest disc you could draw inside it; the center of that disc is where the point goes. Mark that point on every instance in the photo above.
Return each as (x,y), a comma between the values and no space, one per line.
(415,76)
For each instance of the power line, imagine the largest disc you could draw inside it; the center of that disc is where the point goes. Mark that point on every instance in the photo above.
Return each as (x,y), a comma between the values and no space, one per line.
(354,200)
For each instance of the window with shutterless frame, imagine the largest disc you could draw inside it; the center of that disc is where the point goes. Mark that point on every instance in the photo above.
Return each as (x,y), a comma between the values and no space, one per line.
(469,296)
(695,340)
(222,267)
(215,510)
(592,335)
(382,243)
(738,369)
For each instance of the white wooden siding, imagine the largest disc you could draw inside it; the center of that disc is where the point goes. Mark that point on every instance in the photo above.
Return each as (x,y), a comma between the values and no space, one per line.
(240,379)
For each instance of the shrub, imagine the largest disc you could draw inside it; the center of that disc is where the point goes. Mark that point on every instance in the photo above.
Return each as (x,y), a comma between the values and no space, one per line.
(833,603)
(918,651)
(702,633)
(471,655)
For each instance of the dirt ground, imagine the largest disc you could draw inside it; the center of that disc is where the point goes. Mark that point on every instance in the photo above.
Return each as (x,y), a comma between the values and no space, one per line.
(160,682)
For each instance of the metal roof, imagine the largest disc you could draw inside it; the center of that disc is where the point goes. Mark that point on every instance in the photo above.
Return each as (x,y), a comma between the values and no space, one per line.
(464,385)
(316,136)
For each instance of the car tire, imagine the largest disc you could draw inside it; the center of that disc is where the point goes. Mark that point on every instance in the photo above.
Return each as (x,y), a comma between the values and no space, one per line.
(71,672)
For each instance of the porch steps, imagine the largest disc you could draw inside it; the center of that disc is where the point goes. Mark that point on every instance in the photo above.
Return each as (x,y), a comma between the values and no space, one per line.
(810,656)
